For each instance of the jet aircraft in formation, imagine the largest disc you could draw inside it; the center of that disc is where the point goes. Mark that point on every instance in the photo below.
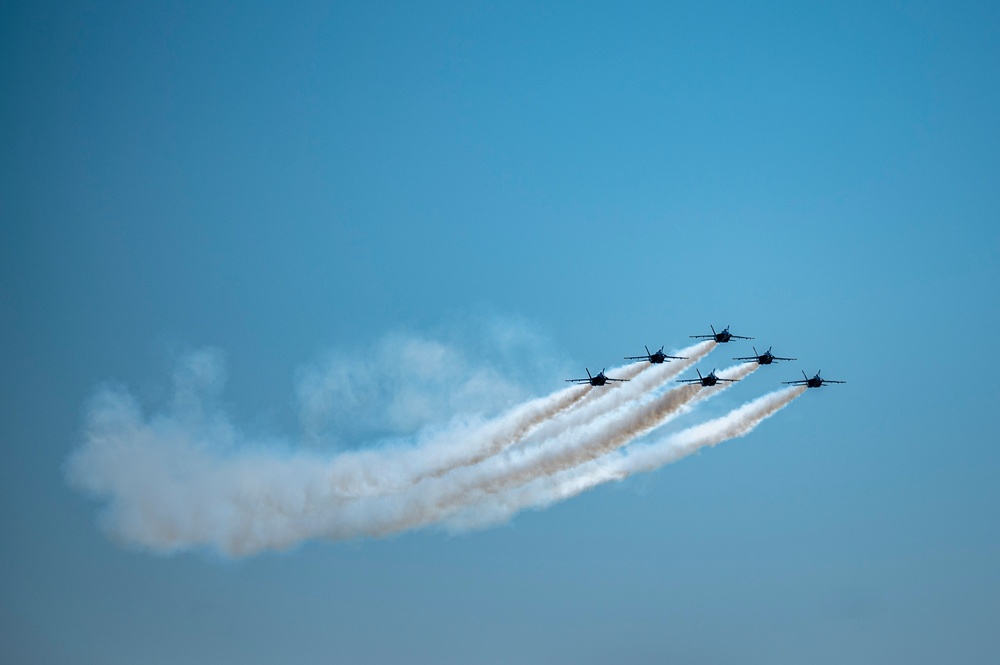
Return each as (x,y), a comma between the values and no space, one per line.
(710,380)
(765,358)
(816,381)
(655,358)
(598,380)
(720,337)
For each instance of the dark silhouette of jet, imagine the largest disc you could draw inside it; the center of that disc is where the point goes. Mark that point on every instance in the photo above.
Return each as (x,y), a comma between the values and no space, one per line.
(598,380)
(815,382)
(765,358)
(710,380)
(655,358)
(720,337)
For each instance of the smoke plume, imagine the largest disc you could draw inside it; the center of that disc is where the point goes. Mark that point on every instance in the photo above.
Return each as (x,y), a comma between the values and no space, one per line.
(187,477)
(639,458)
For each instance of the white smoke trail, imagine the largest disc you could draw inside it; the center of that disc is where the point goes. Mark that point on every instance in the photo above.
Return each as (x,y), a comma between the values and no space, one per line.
(505,431)
(734,372)
(611,397)
(405,381)
(433,502)
(169,486)
(184,456)
(738,371)
(573,446)
(387,470)
(372,472)
(433,459)
(639,458)
(578,443)
(628,372)
(360,474)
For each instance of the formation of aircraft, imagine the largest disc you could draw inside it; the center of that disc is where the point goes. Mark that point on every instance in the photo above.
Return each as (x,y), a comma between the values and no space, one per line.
(816,381)
(720,337)
(655,358)
(710,380)
(765,358)
(598,380)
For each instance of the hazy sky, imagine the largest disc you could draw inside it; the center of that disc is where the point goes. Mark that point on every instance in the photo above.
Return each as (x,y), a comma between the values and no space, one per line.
(524,190)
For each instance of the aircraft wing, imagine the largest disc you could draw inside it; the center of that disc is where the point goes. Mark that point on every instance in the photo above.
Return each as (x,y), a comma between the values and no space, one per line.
(729,380)
(739,337)
(832,381)
(618,380)
(577,380)
(638,357)
(703,336)
(800,382)
(688,380)
(676,357)
(750,358)
(780,358)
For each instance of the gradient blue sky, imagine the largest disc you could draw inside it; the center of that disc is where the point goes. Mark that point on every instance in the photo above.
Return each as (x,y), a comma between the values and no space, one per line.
(280,181)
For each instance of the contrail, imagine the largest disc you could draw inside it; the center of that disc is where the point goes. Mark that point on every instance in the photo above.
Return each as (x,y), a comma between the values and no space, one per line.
(639,458)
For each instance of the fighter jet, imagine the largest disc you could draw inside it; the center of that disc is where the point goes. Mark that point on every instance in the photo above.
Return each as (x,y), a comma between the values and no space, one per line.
(655,358)
(709,380)
(765,358)
(598,380)
(720,337)
(815,382)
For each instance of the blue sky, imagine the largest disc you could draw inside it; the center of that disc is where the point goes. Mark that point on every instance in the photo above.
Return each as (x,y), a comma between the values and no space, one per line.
(286,185)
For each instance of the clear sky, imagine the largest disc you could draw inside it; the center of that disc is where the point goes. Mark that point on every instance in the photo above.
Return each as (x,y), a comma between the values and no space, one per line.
(294,184)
